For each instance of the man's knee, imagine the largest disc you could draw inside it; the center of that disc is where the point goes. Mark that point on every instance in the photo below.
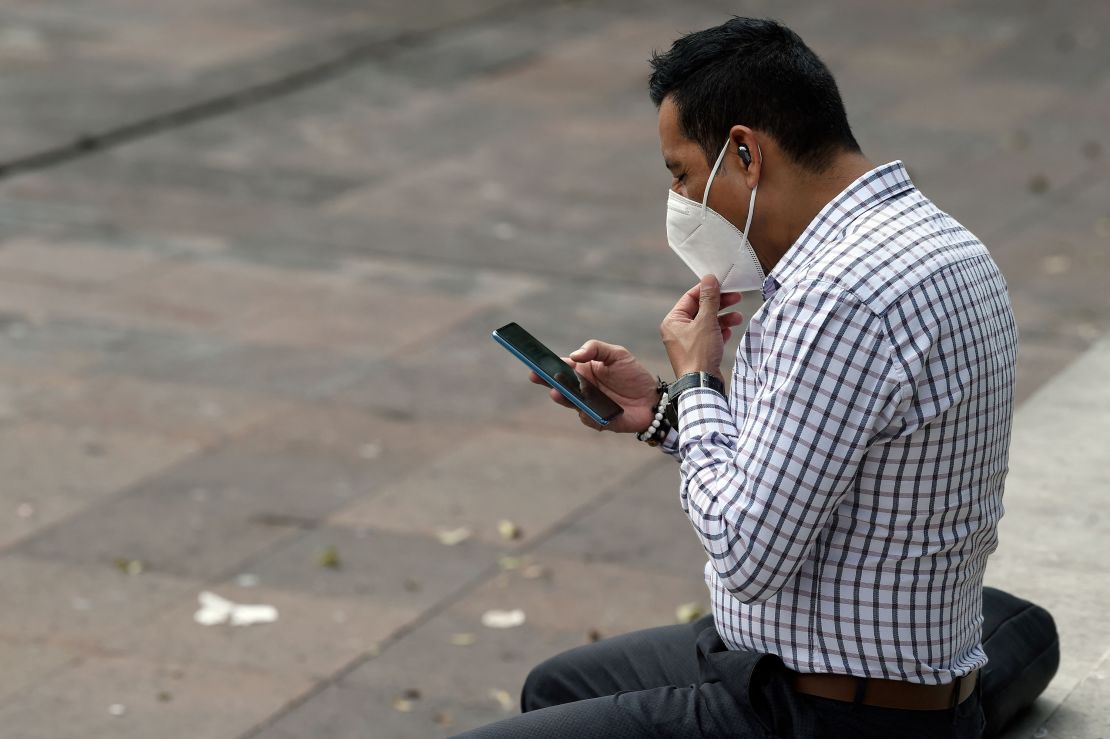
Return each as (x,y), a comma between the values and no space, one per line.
(547,685)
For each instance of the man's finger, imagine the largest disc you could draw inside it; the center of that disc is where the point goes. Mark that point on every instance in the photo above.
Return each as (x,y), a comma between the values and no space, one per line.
(730,299)
(559,399)
(728,320)
(687,305)
(594,350)
(556,396)
(690,304)
(587,421)
(537,380)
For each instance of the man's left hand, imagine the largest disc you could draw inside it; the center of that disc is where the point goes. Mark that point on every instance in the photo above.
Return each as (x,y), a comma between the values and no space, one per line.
(693,334)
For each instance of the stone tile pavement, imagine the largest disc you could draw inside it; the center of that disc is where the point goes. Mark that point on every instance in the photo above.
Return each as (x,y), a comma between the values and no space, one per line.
(250,254)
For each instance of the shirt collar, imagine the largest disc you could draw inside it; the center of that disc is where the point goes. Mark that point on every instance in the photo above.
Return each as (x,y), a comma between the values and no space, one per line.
(872,188)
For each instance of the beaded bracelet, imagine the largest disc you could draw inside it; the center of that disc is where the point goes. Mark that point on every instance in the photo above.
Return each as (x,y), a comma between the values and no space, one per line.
(655,433)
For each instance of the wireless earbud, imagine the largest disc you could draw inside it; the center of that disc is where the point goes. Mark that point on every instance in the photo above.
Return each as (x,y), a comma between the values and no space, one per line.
(744,154)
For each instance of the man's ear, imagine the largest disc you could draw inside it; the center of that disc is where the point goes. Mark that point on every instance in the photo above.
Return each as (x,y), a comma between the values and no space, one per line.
(745,147)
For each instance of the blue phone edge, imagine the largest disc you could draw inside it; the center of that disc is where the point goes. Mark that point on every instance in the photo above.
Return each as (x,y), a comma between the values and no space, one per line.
(549,380)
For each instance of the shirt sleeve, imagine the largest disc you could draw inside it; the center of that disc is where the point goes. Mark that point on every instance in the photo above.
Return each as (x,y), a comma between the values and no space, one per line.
(759,488)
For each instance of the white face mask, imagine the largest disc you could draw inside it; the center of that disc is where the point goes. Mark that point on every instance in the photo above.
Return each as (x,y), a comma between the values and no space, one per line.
(708,243)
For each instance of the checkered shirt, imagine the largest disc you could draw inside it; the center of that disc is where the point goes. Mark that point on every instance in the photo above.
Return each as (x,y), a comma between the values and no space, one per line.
(848,491)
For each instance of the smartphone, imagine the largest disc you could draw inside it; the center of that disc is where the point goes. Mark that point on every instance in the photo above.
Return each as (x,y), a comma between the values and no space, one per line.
(557,373)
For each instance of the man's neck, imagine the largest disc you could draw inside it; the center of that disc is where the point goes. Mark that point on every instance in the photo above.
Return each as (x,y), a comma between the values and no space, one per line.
(813,193)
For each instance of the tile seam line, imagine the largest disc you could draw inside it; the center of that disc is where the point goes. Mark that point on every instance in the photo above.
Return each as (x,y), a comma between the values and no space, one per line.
(230,102)
(485,575)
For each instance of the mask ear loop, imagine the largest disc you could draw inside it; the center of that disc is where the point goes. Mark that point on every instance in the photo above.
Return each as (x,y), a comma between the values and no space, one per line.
(751,211)
(712,174)
(751,202)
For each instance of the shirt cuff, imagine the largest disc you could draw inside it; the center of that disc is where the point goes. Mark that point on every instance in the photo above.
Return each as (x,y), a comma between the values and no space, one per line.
(702,411)
(669,445)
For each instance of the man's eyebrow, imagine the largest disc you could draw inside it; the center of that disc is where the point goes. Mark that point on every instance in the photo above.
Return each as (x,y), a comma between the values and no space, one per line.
(670,165)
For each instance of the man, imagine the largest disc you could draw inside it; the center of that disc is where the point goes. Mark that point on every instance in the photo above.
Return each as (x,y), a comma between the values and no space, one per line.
(848,486)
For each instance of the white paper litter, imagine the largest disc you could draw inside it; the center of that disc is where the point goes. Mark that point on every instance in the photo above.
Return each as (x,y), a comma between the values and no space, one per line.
(503,619)
(215,609)
(246,615)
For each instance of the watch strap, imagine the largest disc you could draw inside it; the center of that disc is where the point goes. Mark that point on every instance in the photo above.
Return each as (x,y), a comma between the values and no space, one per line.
(689,381)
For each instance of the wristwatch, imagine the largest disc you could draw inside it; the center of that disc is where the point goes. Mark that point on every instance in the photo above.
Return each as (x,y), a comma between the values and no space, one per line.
(689,381)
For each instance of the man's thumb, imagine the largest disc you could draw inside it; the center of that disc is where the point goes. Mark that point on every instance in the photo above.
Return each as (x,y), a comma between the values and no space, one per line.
(710,296)
(597,350)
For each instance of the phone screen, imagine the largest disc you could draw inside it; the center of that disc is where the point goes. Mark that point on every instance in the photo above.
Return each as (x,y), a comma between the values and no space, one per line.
(558,373)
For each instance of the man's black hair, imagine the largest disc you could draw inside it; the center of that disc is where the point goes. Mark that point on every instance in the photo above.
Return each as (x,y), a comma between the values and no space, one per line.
(756,73)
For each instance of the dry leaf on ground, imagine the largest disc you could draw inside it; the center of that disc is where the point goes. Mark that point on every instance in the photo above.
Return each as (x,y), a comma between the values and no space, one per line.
(451,537)
(129,566)
(508,529)
(329,558)
(503,698)
(688,612)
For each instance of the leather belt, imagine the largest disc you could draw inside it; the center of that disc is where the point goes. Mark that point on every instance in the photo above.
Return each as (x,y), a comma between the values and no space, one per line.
(886,693)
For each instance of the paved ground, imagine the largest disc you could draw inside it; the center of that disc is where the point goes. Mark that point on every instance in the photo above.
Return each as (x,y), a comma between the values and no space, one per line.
(250,253)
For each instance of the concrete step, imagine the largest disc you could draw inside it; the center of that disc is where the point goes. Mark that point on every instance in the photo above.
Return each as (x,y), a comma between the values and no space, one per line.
(1054,540)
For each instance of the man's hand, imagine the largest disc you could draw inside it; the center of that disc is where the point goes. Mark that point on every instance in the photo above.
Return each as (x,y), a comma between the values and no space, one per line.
(619,375)
(693,334)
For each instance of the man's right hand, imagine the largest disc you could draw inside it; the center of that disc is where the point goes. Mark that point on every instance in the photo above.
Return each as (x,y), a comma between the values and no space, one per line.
(619,375)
